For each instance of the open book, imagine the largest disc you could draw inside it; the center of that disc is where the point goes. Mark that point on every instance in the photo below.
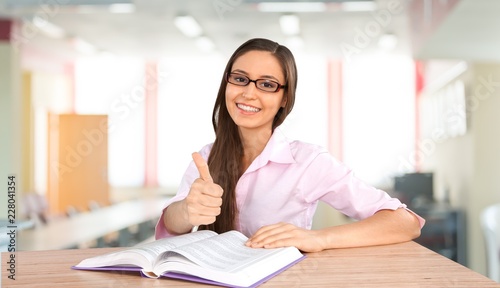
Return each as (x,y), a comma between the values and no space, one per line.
(202,256)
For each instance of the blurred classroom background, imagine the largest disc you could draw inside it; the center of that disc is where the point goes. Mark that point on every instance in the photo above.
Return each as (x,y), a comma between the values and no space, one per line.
(103,102)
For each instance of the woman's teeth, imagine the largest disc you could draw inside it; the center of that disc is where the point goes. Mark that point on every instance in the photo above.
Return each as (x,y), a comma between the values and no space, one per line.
(247,108)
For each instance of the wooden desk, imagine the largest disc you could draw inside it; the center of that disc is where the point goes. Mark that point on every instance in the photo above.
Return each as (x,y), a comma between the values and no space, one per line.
(401,265)
(84,227)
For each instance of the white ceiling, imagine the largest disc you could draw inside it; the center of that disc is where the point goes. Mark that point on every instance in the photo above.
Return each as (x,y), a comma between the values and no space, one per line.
(149,31)
(471,32)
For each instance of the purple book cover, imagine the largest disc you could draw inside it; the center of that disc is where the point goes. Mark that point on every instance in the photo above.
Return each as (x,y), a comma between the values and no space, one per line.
(189,277)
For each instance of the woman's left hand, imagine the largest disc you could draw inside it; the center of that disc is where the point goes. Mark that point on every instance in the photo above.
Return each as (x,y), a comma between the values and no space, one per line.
(285,234)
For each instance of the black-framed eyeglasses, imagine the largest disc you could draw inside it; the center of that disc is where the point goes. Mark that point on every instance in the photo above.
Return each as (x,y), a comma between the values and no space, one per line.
(265,85)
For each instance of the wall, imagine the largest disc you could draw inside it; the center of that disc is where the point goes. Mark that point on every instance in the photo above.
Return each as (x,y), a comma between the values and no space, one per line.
(51,93)
(378,116)
(10,121)
(46,86)
(486,185)
(117,86)
(449,157)
(467,165)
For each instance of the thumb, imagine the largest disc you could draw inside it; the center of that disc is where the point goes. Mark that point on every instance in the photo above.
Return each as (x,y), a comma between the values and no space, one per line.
(202,166)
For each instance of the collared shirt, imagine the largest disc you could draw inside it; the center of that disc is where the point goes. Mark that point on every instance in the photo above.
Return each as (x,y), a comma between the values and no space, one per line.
(286,181)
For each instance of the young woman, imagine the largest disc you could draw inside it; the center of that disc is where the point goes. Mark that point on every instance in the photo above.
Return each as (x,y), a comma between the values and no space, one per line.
(255,180)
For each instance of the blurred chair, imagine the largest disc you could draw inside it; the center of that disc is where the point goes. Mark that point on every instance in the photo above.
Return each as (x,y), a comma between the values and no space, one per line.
(94,205)
(35,208)
(71,211)
(108,240)
(490,223)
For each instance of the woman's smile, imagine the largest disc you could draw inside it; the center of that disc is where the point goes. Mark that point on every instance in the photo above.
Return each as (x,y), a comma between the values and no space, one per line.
(247,108)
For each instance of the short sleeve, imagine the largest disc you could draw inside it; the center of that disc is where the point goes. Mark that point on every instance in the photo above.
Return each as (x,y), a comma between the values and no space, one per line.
(337,185)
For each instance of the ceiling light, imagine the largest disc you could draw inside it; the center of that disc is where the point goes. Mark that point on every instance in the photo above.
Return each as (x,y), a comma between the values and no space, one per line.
(388,41)
(48,28)
(188,26)
(83,46)
(205,44)
(291,7)
(290,24)
(121,8)
(358,6)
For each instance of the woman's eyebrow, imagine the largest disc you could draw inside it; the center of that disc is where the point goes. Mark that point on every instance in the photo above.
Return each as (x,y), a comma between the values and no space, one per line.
(261,77)
(239,71)
(269,77)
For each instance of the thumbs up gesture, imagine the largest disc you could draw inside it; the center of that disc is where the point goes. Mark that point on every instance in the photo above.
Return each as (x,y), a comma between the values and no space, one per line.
(204,200)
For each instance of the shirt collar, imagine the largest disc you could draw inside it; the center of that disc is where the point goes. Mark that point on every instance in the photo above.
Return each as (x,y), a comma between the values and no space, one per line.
(277,150)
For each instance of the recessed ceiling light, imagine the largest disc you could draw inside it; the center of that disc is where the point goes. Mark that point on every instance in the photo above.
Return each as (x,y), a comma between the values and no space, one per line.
(290,24)
(122,8)
(83,46)
(388,41)
(188,26)
(358,6)
(205,44)
(291,6)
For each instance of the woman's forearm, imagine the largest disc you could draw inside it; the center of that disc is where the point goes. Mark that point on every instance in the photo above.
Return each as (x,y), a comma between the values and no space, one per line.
(384,227)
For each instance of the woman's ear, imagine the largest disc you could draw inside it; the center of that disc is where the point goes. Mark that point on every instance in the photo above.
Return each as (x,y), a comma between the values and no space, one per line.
(283,101)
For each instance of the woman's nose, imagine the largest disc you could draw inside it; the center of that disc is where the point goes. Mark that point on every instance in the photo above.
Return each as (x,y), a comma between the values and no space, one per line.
(250,90)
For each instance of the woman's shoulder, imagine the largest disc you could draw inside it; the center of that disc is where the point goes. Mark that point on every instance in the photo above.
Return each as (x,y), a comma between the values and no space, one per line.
(307,151)
(316,157)
(297,145)
(306,146)
(303,149)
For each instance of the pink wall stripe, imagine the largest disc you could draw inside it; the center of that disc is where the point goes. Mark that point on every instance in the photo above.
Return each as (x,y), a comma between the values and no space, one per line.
(69,71)
(151,106)
(419,85)
(335,129)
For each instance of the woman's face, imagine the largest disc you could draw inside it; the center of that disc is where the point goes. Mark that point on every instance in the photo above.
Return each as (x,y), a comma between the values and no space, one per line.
(249,107)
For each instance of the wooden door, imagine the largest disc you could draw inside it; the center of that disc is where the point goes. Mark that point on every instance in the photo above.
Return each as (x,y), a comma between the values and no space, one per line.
(78,161)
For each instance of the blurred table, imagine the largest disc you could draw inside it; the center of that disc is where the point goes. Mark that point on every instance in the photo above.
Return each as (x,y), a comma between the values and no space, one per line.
(6,227)
(84,227)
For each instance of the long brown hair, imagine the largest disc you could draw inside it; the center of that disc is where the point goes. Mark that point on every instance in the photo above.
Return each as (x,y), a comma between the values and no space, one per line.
(225,157)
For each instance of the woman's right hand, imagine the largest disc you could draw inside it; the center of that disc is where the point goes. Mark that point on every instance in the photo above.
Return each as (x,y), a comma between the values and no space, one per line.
(203,203)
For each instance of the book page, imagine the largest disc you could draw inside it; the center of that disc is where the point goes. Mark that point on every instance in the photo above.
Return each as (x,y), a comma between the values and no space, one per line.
(225,252)
(153,249)
(144,255)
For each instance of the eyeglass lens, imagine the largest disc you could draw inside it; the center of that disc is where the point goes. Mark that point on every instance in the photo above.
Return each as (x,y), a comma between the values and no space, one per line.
(262,84)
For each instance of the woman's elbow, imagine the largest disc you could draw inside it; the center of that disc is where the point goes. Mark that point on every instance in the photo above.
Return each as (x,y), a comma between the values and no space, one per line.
(410,224)
(415,232)
(413,226)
